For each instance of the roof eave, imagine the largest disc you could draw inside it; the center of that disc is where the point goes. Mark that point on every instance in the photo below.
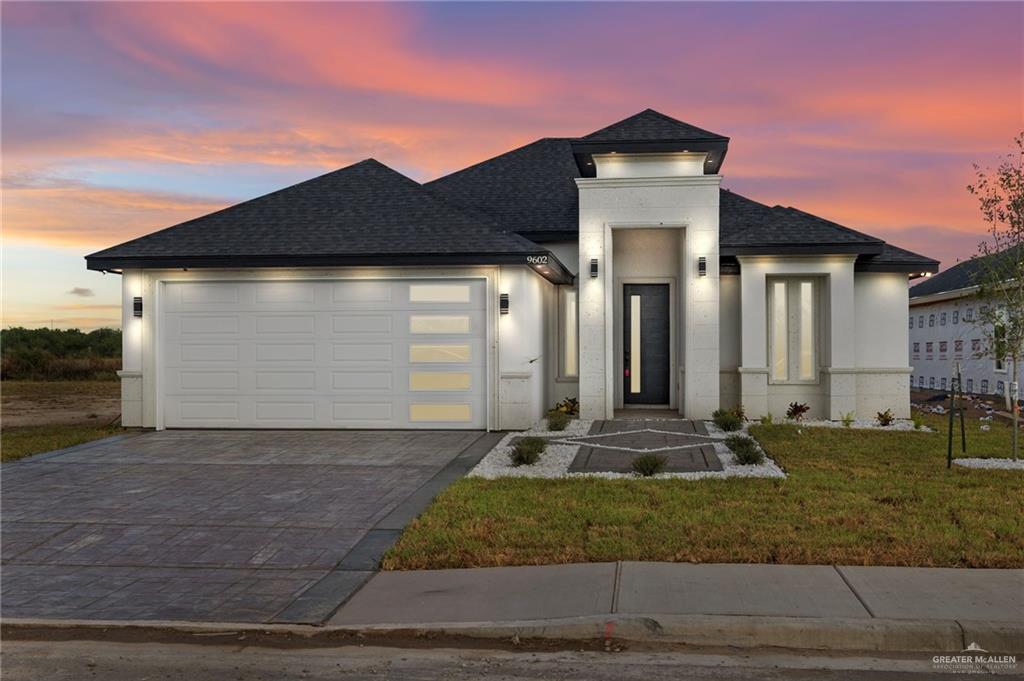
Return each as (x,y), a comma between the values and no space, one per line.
(583,150)
(867,248)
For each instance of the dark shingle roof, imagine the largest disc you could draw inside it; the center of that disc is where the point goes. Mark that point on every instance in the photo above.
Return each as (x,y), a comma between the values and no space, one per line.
(649,126)
(363,209)
(745,222)
(964,274)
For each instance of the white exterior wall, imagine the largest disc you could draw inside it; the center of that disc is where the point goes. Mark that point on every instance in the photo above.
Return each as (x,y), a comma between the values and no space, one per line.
(512,341)
(633,201)
(558,387)
(936,368)
(862,362)
(730,330)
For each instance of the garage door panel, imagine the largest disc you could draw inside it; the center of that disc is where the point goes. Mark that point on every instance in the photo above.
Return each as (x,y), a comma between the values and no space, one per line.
(323,354)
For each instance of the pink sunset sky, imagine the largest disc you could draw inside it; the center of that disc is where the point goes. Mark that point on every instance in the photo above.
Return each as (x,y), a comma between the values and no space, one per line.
(119,119)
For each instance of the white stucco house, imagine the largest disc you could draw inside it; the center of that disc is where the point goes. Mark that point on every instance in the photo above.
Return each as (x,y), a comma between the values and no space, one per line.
(611,267)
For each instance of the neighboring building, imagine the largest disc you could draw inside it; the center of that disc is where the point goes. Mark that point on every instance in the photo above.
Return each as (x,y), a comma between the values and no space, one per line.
(611,267)
(944,330)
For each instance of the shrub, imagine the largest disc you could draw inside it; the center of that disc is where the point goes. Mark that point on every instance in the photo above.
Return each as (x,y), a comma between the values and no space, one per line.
(796,411)
(649,464)
(918,421)
(527,451)
(746,450)
(570,406)
(726,419)
(558,420)
(767,420)
(847,419)
(885,418)
(48,354)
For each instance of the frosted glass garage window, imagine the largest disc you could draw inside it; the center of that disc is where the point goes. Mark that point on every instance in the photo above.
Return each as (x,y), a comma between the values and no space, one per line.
(439,353)
(439,293)
(568,333)
(440,412)
(793,335)
(439,381)
(439,324)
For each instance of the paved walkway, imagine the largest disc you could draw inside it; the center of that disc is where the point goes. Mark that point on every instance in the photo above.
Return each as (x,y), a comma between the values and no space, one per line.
(589,589)
(611,446)
(215,525)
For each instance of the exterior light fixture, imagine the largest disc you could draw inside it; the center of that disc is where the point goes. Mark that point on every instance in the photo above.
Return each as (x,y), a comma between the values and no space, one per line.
(137,306)
(593,268)
(702,266)
(503,303)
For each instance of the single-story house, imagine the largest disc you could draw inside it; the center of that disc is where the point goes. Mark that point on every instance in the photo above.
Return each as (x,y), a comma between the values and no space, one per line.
(610,267)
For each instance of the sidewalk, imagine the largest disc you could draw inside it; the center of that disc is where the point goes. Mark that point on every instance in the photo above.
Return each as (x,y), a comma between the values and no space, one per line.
(809,607)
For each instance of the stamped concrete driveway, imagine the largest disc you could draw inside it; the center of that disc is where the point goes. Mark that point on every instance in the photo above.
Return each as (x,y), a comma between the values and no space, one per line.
(253,526)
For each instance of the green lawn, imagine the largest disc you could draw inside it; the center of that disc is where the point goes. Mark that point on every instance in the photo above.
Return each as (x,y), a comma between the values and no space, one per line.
(17,443)
(852,497)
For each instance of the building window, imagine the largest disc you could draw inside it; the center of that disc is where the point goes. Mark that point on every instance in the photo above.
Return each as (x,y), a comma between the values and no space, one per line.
(984,386)
(917,347)
(929,347)
(931,381)
(1000,387)
(911,321)
(942,319)
(568,334)
(793,331)
(975,345)
(956,316)
(920,321)
(943,383)
(1001,365)
(931,320)
(942,347)
(958,348)
(970,385)
(969,315)
(920,381)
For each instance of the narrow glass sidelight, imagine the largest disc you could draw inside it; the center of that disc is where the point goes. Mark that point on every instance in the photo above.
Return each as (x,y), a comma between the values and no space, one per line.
(806,331)
(780,332)
(634,344)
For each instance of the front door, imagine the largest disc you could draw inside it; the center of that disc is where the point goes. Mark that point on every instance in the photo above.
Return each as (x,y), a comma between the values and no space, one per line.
(645,343)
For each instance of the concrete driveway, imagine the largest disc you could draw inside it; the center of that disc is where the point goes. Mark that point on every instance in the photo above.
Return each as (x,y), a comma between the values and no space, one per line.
(253,526)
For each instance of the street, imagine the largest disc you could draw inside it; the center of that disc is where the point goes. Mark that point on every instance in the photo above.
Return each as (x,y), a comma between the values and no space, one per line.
(83,660)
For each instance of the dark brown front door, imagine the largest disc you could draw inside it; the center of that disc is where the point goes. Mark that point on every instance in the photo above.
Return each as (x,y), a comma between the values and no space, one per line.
(645,343)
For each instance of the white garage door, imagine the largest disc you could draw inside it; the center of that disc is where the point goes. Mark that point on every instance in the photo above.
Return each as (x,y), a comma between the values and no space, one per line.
(324,354)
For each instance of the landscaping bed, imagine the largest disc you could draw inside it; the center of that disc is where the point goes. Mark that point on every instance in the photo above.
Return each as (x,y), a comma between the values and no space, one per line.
(855,497)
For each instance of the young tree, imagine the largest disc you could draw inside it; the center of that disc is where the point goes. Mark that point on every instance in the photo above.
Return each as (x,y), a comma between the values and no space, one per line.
(999,273)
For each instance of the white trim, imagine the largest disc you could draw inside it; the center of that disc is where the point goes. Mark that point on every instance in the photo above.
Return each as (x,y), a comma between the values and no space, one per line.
(619,182)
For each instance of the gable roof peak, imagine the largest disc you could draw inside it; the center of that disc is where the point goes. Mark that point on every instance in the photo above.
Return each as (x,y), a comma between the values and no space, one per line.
(651,125)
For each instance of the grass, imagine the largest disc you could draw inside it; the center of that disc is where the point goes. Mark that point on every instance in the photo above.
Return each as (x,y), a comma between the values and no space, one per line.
(57,389)
(852,497)
(17,443)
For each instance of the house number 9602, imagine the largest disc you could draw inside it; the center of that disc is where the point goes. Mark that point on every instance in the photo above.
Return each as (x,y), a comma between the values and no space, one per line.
(537,259)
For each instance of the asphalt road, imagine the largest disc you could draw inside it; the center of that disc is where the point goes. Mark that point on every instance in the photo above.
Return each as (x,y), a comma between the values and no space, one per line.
(85,660)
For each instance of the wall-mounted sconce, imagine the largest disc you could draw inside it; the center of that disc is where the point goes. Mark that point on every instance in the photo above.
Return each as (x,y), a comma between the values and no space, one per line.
(503,303)
(593,268)
(702,266)
(137,306)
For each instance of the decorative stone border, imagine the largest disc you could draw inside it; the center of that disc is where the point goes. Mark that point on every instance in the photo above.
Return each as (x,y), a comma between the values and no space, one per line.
(991,464)
(555,461)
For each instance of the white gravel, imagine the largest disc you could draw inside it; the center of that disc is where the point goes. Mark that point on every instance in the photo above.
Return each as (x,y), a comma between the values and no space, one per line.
(555,460)
(860,424)
(1000,464)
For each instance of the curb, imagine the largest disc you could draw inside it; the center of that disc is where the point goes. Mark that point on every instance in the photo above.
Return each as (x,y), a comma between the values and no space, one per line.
(736,631)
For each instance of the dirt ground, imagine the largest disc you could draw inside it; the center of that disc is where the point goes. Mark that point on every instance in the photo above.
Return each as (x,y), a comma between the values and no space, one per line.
(42,403)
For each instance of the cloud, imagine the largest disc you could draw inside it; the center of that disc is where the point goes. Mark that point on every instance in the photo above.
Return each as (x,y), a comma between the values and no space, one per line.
(82,291)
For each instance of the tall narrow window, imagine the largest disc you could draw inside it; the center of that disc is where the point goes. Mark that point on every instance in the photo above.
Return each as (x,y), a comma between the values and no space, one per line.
(793,331)
(780,333)
(568,335)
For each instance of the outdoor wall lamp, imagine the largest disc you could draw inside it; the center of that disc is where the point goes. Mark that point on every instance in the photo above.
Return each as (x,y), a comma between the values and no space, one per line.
(702,266)
(137,306)
(593,268)
(503,303)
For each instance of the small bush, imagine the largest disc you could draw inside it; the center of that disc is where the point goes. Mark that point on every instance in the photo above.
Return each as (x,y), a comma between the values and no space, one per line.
(558,420)
(570,406)
(649,464)
(885,418)
(746,450)
(527,451)
(847,419)
(796,411)
(918,421)
(726,419)
(767,420)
